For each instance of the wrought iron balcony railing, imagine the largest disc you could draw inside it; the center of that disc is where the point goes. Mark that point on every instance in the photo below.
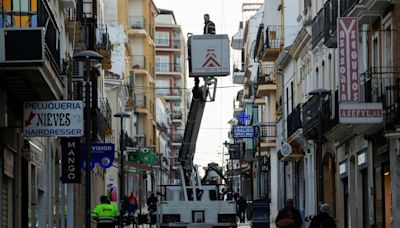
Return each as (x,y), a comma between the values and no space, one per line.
(330,27)
(294,120)
(266,131)
(128,141)
(317,28)
(382,84)
(266,75)
(346,6)
(274,38)
(105,110)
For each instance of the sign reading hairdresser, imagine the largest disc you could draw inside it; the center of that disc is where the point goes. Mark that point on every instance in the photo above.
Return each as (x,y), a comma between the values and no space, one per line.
(53,118)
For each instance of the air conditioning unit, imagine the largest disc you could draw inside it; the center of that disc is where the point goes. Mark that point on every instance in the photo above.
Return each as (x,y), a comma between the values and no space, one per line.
(68,4)
(22,45)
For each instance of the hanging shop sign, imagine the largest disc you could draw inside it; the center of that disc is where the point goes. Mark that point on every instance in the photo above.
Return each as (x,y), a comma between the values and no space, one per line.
(235,150)
(360,113)
(53,119)
(286,149)
(100,153)
(243,132)
(71,160)
(348,59)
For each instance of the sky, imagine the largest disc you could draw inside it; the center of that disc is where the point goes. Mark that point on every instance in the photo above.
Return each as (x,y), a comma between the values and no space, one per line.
(226,14)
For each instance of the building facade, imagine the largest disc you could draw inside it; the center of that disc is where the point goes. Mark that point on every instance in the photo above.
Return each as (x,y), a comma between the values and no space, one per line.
(171,80)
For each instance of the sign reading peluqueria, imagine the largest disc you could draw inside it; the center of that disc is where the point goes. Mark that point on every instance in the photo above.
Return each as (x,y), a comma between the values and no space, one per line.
(53,118)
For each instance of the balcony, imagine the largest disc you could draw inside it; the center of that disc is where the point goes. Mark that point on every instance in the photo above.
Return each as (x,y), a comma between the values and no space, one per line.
(169,68)
(266,134)
(176,140)
(274,42)
(139,27)
(346,6)
(365,10)
(238,75)
(141,104)
(168,44)
(173,95)
(382,84)
(136,22)
(317,28)
(330,27)
(128,141)
(104,118)
(30,53)
(294,121)
(310,118)
(266,81)
(310,114)
(140,64)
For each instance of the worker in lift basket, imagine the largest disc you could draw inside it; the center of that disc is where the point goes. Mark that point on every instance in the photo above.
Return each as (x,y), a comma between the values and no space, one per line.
(105,213)
(209,26)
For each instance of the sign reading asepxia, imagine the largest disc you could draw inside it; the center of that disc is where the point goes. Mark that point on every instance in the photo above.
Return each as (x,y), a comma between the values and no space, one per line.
(53,118)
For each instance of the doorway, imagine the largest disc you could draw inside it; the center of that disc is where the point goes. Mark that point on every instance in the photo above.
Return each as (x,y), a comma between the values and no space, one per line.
(383,204)
(329,182)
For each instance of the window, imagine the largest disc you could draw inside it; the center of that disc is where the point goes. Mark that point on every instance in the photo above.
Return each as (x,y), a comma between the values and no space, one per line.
(198,216)
(18,13)
(162,63)
(291,96)
(162,38)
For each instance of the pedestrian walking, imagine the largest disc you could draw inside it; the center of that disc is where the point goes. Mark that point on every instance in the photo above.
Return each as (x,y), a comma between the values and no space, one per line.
(289,216)
(241,206)
(105,213)
(152,203)
(209,26)
(323,219)
(133,204)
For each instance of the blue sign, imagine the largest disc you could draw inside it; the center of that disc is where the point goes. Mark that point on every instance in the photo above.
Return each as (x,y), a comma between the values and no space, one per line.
(101,153)
(243,117)
(243,132)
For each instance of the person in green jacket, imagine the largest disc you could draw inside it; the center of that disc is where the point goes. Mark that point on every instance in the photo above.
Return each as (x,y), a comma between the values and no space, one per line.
(105,213)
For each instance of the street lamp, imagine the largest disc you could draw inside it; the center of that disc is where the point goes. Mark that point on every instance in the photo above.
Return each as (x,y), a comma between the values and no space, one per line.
(121,115)
(87,56)
(320,93)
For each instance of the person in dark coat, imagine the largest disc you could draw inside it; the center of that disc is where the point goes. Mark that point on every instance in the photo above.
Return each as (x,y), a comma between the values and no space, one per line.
(209,26)
(289,217)
(323,219)
(241,206)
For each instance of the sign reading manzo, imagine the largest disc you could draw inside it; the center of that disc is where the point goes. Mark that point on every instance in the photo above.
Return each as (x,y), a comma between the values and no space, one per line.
(53,118)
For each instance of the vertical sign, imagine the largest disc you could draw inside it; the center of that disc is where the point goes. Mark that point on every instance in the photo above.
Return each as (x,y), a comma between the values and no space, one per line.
(348,59)
(71,160)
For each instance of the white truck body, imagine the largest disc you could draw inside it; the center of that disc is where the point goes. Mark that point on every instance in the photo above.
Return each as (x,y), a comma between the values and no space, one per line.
(205,211)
